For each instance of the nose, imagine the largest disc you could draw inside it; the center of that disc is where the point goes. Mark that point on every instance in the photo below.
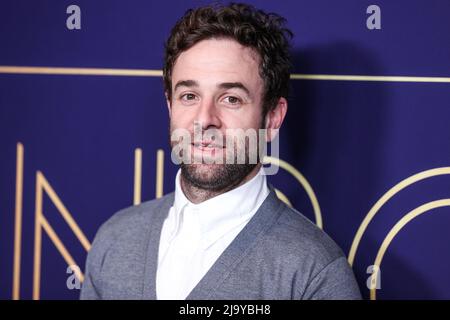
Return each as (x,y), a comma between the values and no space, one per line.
(208,115)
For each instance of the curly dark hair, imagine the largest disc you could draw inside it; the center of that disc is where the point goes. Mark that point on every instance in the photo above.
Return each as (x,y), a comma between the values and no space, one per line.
(264,32)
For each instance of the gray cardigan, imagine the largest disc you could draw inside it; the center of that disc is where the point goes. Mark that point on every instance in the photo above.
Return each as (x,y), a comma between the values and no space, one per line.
(279,254)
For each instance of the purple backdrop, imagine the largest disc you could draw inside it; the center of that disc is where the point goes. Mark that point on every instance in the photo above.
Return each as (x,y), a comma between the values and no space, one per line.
(351,140)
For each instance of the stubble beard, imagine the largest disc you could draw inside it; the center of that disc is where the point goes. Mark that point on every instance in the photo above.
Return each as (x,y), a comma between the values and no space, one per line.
(216,177)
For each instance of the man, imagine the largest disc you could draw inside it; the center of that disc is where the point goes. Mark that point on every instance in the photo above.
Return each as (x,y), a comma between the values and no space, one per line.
(223,233)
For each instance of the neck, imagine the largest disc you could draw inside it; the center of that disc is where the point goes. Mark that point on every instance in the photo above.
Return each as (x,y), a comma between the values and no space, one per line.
(197,195)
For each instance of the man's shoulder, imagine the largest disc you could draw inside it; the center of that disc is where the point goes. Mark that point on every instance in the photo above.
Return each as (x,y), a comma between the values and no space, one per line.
(133,220)
(317,263)
(295,235)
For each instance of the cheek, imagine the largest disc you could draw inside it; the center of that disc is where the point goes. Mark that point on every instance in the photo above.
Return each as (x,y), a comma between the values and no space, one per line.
(180,118)
(243,120)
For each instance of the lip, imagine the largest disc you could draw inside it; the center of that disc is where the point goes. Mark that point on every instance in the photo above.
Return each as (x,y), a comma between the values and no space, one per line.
(207,149)
(206,146)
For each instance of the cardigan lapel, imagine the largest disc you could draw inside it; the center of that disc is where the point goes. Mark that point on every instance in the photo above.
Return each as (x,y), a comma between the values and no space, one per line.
(155,221)
(233,254)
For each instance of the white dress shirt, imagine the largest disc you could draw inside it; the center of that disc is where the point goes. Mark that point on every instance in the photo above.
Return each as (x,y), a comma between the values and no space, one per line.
(195,235)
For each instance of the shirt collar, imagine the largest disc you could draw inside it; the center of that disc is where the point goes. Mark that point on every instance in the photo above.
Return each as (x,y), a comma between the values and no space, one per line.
(220,214)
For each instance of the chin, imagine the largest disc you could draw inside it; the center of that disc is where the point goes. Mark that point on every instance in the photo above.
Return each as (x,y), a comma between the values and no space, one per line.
(205,171)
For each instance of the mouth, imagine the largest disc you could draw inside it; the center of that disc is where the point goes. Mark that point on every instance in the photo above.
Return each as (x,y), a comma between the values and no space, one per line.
(207,147)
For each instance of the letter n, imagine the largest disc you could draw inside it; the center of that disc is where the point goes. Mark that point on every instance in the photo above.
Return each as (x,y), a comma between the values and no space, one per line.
(41,223)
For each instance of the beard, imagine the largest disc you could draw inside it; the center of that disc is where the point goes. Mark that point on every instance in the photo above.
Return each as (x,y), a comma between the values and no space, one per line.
(216,177)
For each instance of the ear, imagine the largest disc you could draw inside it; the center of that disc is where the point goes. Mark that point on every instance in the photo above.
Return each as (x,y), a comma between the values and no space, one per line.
(275,117)
(169,106)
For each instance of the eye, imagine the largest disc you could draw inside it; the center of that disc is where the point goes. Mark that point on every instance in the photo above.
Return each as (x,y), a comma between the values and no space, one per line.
(232,100)
(188,98)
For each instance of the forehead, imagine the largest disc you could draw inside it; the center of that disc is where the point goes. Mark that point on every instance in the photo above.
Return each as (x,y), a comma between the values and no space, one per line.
(218,60)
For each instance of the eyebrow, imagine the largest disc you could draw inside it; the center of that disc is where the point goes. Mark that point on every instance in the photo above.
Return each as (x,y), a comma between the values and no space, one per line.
(223,85)
(231,85)
(185,83)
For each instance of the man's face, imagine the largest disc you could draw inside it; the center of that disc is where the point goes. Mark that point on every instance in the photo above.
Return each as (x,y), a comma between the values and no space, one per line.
(215,85)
